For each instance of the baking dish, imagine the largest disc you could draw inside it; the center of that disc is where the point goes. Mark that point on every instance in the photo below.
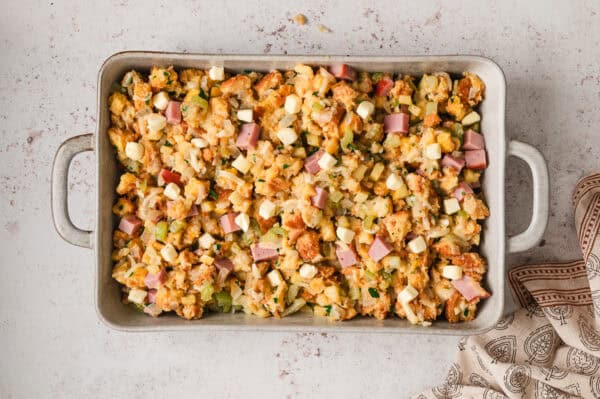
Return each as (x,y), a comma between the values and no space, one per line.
(494,244)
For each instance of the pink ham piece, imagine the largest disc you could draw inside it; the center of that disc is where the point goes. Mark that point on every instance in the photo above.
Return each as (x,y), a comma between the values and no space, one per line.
(224,263)
(173,112)
(396,123)
(470,288)
(343,71)
(193,211)
(462,190)
(155,280)
(452,162)
(152,308)
(248,136)
(384,86)
(311,164)
(320,198)
(260,253)
(473,141)
(228,224)
(346,256)
(379,248)
(130,224)
(476,159)
(151,296)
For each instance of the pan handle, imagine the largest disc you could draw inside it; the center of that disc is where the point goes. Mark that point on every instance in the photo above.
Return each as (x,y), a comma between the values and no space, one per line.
(541,194)
(60,173)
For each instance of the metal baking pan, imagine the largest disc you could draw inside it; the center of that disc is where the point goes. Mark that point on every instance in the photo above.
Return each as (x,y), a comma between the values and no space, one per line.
(495,244)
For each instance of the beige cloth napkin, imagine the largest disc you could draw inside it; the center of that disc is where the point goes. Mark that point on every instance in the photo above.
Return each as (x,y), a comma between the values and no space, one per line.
(551,347)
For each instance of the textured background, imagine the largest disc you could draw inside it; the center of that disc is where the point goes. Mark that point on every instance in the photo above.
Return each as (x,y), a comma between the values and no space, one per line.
(50,52)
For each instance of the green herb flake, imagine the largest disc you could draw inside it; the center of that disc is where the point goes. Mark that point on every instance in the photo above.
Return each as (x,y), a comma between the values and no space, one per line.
(328,309)
(466,312)
(203,94)
(285,166)
(373,292)
(217,247)
(168,144)
(213,194)
(261,180)
(275,300)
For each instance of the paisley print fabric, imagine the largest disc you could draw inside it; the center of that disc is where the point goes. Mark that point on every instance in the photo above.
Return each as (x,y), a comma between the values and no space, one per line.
(551,347)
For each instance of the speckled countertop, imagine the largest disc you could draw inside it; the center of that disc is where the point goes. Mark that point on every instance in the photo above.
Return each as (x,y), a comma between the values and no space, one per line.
(53,345)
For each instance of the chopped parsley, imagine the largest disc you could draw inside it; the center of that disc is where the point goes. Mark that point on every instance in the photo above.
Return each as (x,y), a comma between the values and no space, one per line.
(213,194)
(328,309)
(203,94)
(373,292)
(168,144)
(261,180)
(285,166)
(275,300)
(466,312)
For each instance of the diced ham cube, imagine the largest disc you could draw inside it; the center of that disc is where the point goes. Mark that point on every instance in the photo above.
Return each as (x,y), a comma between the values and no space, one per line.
(228,224)
(379,248)
(248,136)
(151,296)
(320,198)
(453,162)
(476,159)
(462,190)
(384,86)
(260,253)
(346,256)
(343,71)
(152,308)
(169,176)
(311,164)
(470,288)
(155,280)
(473,140)
(224,263)
(193,211)
(130,224)
(396,123)
(173,112)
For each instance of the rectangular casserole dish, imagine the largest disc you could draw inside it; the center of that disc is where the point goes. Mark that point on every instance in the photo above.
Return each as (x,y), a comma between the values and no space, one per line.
(494,245)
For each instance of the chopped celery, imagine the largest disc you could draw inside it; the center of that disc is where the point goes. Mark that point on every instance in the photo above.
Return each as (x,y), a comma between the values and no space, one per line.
(354,293)
(370,275)
(278,231)
(336,196)
(206,292)
(223,300)
(160,231)
(199,101)
(347,139)
(377,76)
(177,225)
(317,106)
(368,222)
(431,108)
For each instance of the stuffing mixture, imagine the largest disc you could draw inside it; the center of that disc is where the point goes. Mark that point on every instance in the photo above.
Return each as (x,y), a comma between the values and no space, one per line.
(326,190)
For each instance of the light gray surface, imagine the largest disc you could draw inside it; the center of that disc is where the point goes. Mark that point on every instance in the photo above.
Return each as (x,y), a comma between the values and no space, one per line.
(53,344)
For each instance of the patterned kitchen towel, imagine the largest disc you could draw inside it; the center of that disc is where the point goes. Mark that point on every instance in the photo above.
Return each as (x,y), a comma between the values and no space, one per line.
(551,347)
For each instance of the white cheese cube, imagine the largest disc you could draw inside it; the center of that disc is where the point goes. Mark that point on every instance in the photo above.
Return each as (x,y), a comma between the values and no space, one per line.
(136,296)
(451,206)
(206,241)
(344,234)
(452,272)
(293,104)
(365,109)
(287,135)
(417,245)
(275,278)
(327,161)
(308,271)
(404,99)
(433,151)
(241,164)
(471,118)
(243,220)
(394,261)
(160,100)
(394,182)
(172,191)
(134,151)
(156,122)
(245,115)
(267,209)
(216,73)
(199,142)
(169,253)
(407,294)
